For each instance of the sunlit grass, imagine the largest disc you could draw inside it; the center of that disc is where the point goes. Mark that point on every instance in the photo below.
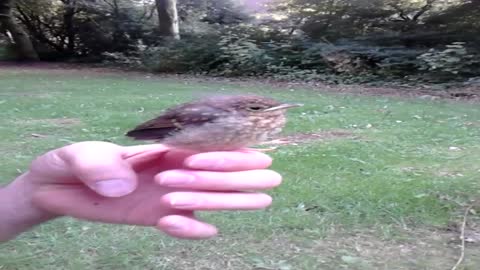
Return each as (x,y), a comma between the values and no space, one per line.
(408,165)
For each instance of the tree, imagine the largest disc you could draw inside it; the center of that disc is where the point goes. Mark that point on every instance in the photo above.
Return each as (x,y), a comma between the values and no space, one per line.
(168,18)
(70,7)
(409,13)
(332,19)
(85,29)
(23,45)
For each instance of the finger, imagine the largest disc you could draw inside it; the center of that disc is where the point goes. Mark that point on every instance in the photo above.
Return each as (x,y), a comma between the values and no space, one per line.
(129,152)
(101,167)
(213,201)
(220,181)
(175,158)
(186,227)
(141,157)
(229,161)
(79,202)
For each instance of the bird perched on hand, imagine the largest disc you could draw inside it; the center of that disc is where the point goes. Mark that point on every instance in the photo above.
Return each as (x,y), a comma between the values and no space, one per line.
(221,123)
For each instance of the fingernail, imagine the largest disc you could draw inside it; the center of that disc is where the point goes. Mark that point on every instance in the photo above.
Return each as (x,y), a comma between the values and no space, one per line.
(176,179)
(114,187)
(212,164)
(183,202)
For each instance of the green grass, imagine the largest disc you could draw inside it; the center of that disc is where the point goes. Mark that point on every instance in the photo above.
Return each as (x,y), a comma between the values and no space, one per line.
(376,201)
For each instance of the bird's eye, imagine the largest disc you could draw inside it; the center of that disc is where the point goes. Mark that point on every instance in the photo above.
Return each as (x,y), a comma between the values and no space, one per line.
(255,107)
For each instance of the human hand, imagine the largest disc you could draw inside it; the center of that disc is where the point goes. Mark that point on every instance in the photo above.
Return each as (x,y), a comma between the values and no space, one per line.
(147,185)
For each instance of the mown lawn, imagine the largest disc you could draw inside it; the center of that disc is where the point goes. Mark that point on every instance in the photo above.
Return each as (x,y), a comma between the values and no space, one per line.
(386,196)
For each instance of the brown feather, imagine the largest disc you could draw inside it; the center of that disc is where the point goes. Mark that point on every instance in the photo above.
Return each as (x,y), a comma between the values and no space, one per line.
(174,120)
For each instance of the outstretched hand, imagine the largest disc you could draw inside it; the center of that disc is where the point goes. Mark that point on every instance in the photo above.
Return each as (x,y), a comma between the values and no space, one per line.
(148,185)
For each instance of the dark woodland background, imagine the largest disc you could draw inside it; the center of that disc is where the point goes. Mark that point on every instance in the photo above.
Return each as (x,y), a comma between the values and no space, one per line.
(404,41)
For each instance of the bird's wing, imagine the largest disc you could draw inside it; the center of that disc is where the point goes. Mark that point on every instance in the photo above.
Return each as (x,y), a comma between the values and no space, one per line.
(174,120)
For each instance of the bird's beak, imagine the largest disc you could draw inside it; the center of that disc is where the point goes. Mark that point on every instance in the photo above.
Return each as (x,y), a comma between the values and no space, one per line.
(282,106)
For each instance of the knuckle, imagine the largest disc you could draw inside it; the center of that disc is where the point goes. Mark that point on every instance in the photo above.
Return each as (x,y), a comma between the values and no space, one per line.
(50,160)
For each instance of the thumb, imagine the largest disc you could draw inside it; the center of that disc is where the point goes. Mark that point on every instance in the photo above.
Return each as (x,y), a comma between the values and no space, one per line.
(101,167)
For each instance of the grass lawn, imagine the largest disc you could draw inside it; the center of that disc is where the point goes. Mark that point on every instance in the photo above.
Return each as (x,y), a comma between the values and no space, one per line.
(389,195)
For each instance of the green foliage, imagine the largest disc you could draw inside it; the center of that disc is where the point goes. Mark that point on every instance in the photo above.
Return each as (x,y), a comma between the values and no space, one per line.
(7,52)
(455,59)
(250,53)
(196,54)
(71,29)
(241,55)
(340,40)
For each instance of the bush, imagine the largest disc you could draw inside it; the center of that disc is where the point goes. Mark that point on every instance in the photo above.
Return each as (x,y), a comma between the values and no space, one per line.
(7,52)
(241,55)
(253,52)
(454,60)
(191,54)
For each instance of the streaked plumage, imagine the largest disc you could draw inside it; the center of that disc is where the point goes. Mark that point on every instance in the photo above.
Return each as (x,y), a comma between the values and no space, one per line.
(216,123)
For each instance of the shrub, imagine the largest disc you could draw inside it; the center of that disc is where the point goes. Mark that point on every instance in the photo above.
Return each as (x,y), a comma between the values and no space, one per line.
(252,52)
(7,52)
(241,55)
(455,59)
(191,54)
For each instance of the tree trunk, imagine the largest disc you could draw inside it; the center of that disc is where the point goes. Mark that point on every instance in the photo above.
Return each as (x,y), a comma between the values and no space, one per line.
(168,18)
(23,45)
(68,17)
(117,32)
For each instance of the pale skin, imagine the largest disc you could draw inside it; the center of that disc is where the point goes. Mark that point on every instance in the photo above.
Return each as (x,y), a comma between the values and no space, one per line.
(146,185)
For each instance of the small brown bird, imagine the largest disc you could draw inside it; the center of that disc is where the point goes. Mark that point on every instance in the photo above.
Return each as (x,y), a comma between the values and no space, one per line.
(220,123)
